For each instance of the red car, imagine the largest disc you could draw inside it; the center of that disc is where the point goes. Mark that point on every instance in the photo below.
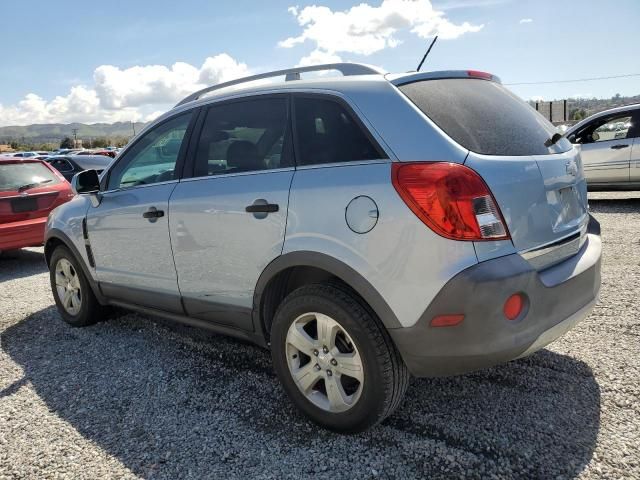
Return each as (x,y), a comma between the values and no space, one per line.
(29,190)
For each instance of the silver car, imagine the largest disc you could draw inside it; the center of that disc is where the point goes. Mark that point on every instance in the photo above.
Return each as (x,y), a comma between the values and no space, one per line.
(364,228)
(610,143)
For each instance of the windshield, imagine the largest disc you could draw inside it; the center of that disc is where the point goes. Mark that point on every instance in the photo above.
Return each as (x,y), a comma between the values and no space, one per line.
(484,117)
(13,176)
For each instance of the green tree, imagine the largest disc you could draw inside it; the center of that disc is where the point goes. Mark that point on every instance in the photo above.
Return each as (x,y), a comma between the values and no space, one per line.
(578,114)
(66,143)
(100,142)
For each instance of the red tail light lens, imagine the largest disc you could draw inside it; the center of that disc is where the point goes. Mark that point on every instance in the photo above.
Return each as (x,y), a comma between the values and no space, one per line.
(451,199)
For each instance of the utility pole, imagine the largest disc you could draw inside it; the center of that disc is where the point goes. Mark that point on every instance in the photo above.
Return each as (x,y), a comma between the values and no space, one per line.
(133,127)
(75,137)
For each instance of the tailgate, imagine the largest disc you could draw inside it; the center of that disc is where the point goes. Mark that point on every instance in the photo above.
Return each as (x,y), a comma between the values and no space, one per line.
(543,198)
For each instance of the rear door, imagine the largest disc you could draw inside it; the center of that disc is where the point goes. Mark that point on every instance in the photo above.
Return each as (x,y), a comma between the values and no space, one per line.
(606,148)
(129,229)
(228,221)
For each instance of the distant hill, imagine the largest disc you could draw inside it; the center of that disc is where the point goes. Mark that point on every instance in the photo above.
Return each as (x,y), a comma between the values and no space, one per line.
(54,132)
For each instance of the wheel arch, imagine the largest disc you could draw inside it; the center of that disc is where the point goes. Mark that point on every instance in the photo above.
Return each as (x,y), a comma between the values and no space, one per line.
(56,238)
(295,269)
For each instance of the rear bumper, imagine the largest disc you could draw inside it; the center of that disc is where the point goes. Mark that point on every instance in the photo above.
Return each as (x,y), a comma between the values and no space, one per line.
(28,233)
(558,298)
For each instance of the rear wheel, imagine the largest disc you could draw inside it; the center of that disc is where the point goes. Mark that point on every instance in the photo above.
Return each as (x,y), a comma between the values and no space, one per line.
(74,298)
(335,359)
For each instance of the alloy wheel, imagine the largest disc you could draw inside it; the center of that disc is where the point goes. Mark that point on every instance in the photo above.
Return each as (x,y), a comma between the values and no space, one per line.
(324,362)
(68,287)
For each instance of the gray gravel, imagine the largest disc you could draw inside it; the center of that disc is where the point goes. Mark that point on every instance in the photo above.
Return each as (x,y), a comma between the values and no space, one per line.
(137,397)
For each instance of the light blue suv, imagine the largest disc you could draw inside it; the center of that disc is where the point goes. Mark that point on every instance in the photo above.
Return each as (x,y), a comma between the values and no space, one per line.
(364,227)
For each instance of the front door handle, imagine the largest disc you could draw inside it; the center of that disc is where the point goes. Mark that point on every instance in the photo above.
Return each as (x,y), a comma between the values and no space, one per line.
(153,214)
(262,208)
(618,147)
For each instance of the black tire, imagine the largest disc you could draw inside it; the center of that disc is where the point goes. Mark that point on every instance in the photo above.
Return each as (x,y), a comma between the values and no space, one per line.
(90,311)
(385,375)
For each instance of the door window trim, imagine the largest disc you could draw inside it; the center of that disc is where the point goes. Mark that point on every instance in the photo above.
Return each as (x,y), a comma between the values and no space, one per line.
(180,160)
(191,157)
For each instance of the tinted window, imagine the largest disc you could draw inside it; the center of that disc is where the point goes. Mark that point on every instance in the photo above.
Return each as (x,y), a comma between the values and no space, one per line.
(16,175)
(61,164)
(484,117)
(243,136)
(328,133)
(153,158)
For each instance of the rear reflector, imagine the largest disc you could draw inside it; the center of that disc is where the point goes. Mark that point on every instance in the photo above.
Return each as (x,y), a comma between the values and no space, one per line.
(447,320)
(451,199)
(513,306)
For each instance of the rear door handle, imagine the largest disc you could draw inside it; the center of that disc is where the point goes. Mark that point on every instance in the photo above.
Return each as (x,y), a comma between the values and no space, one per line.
(153,214)
(618,147)
(262,208)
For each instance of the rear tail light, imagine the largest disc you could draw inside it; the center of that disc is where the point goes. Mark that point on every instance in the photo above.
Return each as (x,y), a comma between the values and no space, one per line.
(451,199)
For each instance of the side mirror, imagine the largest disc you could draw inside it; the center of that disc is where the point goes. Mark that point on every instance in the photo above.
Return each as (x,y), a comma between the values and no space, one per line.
(85,182)
(595,136)
(572,138)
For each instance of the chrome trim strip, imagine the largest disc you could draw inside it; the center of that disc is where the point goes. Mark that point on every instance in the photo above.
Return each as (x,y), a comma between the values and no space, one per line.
(238,174)
(124,189)
(550,254)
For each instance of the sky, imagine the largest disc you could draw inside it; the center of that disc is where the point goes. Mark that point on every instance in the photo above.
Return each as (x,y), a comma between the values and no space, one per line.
(116,60)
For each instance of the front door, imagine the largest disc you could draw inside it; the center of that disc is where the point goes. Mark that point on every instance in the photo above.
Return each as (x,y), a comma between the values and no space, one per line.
(228,221)
(129,229)
(606,149)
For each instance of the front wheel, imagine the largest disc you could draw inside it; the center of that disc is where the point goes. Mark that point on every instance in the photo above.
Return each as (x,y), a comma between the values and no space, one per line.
(335,359)
(72,293)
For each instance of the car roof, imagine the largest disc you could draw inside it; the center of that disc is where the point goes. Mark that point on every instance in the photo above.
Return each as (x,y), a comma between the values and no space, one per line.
(89,161)
(19,160)
(355,76)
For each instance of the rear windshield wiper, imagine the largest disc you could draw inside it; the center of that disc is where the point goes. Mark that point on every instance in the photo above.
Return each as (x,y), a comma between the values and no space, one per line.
(31,185)
(553,140)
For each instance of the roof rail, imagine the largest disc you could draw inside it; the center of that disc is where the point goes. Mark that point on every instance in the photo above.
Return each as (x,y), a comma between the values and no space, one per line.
(347,69)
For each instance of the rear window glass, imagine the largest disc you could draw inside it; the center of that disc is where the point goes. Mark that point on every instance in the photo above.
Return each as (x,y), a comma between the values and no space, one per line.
(484,117)
(16,176)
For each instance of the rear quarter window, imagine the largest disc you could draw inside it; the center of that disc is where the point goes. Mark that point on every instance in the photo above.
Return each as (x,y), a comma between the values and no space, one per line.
(484,117)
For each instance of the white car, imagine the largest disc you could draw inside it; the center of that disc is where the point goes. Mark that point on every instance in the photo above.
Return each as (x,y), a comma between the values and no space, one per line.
(610,143)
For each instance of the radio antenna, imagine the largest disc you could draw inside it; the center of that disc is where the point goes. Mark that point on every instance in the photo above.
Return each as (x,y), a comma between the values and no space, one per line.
(428,50)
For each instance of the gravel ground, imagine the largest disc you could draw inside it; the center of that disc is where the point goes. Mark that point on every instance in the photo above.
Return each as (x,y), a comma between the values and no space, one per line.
(137,397)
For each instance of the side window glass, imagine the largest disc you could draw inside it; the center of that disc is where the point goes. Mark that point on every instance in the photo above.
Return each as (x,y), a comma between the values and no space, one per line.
(327,133)
(617,128)
(243,136)
(61,165)
(153,158)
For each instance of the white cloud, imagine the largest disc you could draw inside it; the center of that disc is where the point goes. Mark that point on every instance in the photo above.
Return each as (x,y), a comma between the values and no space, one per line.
(526,20)
(364,29)
(134,93)
(318,57)
(537,98)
